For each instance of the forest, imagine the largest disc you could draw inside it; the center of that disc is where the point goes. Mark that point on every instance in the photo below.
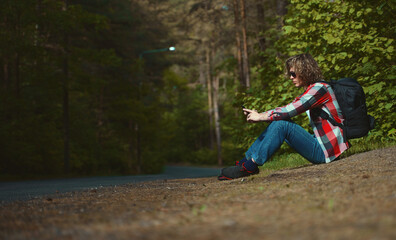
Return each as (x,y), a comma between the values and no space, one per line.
(114,87)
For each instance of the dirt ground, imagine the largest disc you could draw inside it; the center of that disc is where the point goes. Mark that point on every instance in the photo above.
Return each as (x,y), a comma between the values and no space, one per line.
(353,198)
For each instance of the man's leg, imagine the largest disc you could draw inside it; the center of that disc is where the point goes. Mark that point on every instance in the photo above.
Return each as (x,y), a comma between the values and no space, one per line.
(270,141)
(278,132)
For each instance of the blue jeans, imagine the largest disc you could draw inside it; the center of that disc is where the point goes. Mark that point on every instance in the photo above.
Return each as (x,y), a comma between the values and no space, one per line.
(294,135)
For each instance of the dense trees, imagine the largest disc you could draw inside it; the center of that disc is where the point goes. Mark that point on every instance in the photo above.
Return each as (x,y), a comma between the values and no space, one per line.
(75,96)
(71,89)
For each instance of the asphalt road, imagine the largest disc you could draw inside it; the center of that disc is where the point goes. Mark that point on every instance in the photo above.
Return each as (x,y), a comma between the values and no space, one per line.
(25,190)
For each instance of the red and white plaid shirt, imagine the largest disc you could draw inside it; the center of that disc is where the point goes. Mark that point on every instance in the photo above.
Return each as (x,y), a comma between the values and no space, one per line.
(317,97)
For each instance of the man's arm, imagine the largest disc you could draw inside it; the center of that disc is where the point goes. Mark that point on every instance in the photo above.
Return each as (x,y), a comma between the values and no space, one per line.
(253,116)
(313,97)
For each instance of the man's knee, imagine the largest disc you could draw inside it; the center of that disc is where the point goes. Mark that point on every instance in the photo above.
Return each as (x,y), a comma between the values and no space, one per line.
(281,123)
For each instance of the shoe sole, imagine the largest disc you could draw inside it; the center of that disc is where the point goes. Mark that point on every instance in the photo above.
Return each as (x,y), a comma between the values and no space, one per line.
(222,178)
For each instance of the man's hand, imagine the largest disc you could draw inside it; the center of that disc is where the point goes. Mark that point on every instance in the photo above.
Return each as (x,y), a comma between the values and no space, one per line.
(253,116)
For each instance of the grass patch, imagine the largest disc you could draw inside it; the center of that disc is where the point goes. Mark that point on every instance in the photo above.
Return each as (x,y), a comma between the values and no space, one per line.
(286,160)
(290,159)
(364,145)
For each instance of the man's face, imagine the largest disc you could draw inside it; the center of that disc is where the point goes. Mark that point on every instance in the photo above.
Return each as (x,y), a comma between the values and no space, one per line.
(295,78)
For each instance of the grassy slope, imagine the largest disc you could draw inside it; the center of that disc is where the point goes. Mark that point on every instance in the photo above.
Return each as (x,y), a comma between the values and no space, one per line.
(293,159)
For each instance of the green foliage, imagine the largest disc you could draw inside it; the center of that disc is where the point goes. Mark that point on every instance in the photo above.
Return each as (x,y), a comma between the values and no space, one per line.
(350,39)
(185,131)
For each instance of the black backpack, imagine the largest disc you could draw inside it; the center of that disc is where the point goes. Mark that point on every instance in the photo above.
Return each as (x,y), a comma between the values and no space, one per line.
(350,96)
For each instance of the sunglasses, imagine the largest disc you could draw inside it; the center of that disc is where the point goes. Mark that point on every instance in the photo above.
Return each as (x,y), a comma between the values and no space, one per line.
(293,74)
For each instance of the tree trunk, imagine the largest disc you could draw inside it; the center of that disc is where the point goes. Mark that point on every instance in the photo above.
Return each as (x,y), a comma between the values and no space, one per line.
(17,75)
(136,126)
(134,148)
(17,60)
(138,149)
(281,11)
(202,71)
(217,118)
(66,119)
(130,146)
(100,121)
(260,22)
(245,56)
(210,101)
(6,74)
(238,43)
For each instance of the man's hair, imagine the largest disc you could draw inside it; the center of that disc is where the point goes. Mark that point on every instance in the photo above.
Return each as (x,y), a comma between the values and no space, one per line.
(305,67)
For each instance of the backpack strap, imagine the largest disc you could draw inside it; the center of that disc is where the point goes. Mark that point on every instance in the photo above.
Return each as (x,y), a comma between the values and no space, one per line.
(326,116)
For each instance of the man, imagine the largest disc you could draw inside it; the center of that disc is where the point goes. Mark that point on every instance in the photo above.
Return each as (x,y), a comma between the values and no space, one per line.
(324,146)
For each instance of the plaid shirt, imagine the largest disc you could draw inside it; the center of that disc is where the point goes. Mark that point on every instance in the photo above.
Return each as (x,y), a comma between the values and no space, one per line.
(317,97)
